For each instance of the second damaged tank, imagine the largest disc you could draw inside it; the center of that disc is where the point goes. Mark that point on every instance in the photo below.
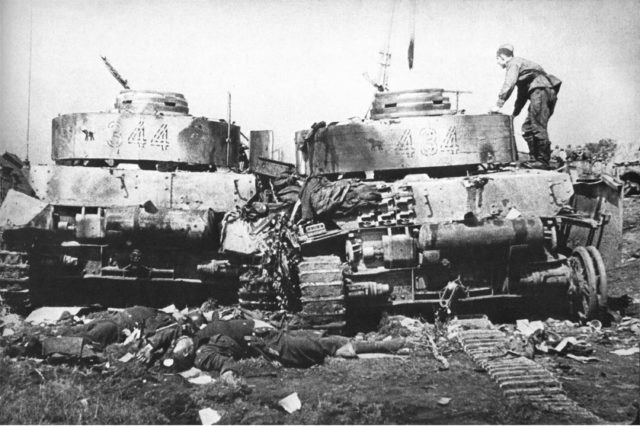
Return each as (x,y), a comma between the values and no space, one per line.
(129,211)
(423,205)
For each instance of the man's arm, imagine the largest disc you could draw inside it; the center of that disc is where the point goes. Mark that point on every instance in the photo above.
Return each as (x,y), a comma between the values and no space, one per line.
(521,99)
(510,80)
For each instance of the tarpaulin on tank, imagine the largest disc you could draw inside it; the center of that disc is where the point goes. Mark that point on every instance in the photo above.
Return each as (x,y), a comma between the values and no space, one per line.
(321,198)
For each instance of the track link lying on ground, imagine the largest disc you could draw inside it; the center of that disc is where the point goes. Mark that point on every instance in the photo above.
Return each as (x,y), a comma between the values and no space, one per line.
(519,378)
(322,291)
(14,276)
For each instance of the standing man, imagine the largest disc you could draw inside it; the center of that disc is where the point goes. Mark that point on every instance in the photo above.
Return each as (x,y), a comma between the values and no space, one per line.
(540,88)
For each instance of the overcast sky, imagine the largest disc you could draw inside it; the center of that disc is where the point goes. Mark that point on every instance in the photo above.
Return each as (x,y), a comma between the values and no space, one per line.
(291,63)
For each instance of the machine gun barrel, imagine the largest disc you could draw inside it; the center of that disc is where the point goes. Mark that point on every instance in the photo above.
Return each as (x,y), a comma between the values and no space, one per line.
(115,73)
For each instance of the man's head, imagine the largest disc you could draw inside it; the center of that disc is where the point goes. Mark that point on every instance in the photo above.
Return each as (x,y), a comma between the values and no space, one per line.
(504,55)
(183,353)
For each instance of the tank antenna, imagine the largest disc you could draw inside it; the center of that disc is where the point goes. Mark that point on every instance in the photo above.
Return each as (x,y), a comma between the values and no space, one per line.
(29,85)
(385,55)
(412,40)
(124,83)
(228,126)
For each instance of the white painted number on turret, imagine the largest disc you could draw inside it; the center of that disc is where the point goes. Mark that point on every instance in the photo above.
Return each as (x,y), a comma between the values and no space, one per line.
(115,141)
(405,147)
(430,141)
(161,137)
(137,136)
(450,142)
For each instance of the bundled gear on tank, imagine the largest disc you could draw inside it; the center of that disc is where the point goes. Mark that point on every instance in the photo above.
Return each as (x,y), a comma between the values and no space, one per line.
(320,198)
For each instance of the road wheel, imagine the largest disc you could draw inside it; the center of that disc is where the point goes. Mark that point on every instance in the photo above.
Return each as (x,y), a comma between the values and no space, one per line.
(583,291)
(601,276)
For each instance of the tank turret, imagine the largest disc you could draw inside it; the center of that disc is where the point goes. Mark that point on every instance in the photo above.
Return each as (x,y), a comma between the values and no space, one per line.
(147,128)
(409,130)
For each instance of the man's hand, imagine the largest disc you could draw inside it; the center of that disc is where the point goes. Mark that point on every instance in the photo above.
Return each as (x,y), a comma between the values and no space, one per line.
(144,354)
(494,110)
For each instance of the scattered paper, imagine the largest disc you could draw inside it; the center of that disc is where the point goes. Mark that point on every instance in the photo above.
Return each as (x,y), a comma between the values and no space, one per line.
(169,309)
(291,403)
(582,359)
(8,332)
(50,314)
(560,346)
(379,355)
(84,402)
(444,401)
(132,337)
(261,324)
(126,357)
(628,351)
(542,347)
(513,214)
(204,379)
(191,373)
(528,328)
(209,416)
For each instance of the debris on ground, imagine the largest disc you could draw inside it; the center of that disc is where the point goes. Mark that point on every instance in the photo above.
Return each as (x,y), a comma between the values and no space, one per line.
(626,352)
(291,403)
(209,416)
(444,401)
(51,314)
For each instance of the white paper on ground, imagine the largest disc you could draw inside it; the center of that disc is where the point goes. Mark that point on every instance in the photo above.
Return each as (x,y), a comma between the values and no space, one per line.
(291,403)
(169,309)
(209,416)
(513,214)
(190,373)
(132,337)
(126,357)
(625,352)
(379,355)
(204,379)
(582,359)
(528,328)
(444,401)
(50,314)
(560,346)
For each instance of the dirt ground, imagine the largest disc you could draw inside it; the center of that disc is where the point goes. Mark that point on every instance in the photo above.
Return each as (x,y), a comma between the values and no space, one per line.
(355,391)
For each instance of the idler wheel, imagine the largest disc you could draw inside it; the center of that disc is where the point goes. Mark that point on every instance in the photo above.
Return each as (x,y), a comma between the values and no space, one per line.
(584,298)
(601,276)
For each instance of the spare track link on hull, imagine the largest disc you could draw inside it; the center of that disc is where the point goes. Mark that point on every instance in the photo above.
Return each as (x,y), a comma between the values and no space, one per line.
(322,292)
(14,276)
(520,378)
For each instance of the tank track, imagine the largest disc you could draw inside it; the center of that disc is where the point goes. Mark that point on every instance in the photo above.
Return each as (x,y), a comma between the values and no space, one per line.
(14,277)
(256,290)
(322,292)
(520,378)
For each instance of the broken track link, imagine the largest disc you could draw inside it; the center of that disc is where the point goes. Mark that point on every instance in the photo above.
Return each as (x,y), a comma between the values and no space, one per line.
(14,276)
(519,378)
(322,292)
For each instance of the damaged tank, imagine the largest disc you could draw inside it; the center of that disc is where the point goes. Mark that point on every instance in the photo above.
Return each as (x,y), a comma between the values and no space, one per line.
(129,210)
(422,205)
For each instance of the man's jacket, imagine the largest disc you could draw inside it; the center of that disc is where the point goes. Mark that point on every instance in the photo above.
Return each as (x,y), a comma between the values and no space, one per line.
(527,76)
